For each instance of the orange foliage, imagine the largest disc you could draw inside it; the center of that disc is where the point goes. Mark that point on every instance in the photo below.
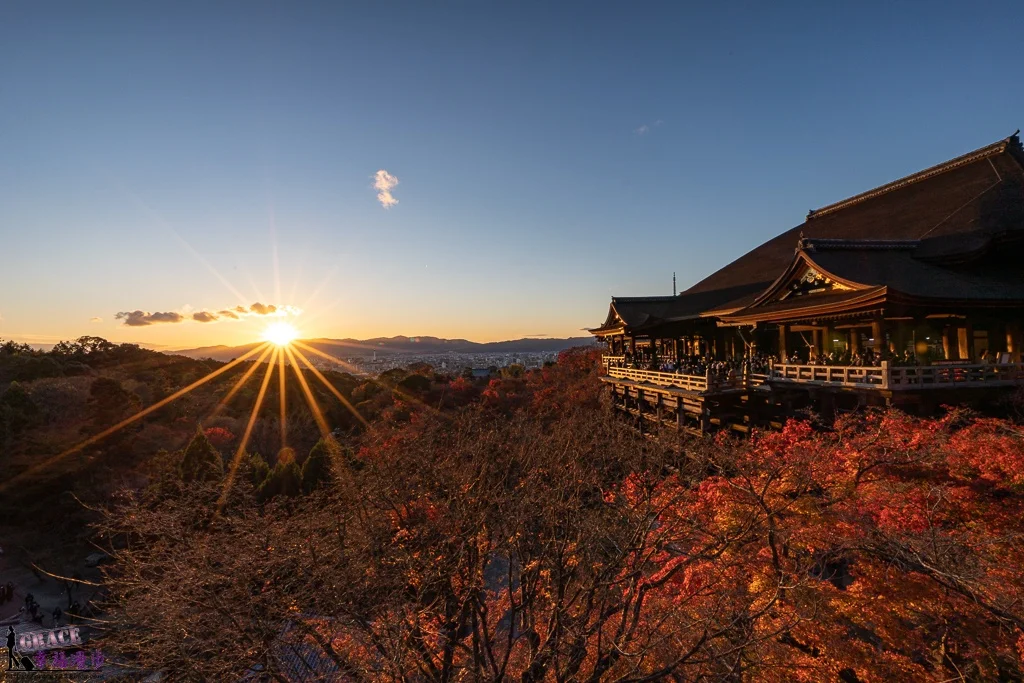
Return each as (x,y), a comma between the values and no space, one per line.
(530,536)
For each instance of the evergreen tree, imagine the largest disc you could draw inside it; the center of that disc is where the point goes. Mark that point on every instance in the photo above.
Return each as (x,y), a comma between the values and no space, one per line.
(317,470)
(259,469)
(109,402)
(284,480)
(201,461)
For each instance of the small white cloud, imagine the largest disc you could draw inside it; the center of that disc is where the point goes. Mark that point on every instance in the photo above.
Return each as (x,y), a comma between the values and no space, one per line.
(95,320)
(384,182)
(646,128)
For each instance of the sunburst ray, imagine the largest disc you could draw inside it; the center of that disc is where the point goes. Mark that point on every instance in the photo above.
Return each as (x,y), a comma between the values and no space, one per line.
(283,400)
(241,382)
(314,407)
(379,382)
(127,421)
(237,459)
(330,387)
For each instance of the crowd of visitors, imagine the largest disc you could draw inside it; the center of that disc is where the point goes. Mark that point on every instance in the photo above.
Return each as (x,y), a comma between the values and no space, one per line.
(760,363)
(869,359)
(757,364)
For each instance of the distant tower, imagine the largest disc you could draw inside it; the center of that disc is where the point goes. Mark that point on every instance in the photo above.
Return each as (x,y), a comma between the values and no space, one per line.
(673,283)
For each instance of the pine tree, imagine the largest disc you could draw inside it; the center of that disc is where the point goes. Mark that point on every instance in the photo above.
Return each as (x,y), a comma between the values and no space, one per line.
(201,461)
(259,469)
(284,480)
(317,470)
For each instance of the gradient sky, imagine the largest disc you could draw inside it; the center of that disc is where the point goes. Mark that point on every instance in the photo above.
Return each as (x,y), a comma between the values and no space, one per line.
(189,156)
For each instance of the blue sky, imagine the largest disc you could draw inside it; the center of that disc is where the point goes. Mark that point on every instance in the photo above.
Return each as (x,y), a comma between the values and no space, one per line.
(182,157)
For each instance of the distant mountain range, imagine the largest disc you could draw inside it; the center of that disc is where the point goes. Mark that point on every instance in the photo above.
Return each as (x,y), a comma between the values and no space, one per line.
(348,348)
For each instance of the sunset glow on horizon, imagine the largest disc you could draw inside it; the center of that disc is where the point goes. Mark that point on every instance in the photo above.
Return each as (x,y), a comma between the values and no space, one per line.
(280,334)
(431,195)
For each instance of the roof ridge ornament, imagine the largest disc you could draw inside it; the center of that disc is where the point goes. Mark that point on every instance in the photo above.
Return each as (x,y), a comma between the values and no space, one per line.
(804,243)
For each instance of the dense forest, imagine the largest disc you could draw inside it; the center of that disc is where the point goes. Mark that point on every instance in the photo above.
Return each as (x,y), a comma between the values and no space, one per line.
(513,530)
(53,402)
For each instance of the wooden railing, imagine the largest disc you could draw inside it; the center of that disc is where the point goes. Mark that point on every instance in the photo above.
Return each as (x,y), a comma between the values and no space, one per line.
(663,379)
(610,361)
(708,382)
(839,375)
(939,376)
(900,378)
(880,377)
(756,380)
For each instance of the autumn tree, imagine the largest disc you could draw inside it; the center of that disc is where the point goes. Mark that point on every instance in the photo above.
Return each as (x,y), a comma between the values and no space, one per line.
(201,461)
(528,536)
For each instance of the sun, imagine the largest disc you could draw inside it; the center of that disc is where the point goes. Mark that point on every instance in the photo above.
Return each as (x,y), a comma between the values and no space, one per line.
(281,334)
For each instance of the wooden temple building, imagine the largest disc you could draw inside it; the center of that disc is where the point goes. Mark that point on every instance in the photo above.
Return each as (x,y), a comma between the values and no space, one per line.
(910,294)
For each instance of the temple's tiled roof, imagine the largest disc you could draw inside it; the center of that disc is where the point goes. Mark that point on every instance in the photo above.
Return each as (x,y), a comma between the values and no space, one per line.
(900,270)
(898,235)
(980,191)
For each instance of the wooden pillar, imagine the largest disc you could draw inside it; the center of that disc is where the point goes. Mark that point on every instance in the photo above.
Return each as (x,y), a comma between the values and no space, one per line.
(997,339)
(675,350)
(965,339)
(783,351)
(632,347)
(878,334)
(1013,342)
(947,342)
(816,336)
(854,340)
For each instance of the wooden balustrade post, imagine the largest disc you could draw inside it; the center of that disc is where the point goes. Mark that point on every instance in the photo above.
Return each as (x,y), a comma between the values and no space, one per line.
(885,374)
